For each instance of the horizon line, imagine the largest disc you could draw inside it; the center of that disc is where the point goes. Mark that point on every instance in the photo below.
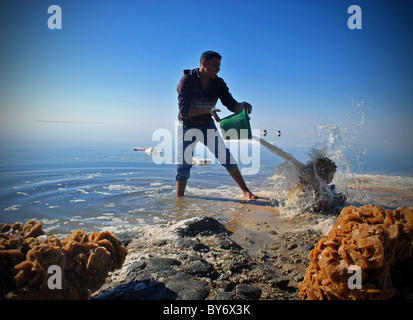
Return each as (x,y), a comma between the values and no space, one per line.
(70,121)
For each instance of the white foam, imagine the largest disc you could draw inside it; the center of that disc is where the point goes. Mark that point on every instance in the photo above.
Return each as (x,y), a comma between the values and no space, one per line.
(103,193)
(137,210)
(221,192)
(14,207)
(122,187)
(93,175)
(54,225)
(128,173)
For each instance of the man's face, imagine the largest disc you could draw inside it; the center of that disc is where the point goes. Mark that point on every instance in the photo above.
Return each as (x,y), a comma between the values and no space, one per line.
(212,67)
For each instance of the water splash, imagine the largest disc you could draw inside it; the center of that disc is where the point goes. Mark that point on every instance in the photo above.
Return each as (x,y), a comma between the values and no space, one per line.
(297,193)
(333,145)
(332,141)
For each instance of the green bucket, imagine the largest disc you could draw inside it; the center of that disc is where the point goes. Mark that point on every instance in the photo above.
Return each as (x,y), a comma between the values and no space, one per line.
(231,126)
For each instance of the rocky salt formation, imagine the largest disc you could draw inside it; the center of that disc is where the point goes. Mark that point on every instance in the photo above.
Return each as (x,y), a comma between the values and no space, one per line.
(370,239)
(196,259)
(83,261)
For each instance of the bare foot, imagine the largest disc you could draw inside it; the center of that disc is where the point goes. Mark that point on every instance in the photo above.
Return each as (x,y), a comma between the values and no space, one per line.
(250,196)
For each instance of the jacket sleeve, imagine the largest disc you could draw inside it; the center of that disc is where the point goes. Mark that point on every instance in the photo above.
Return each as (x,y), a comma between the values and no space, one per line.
(185,92)
(226,97)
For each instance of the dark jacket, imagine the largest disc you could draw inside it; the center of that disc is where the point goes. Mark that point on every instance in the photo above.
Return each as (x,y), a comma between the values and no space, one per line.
(192,96)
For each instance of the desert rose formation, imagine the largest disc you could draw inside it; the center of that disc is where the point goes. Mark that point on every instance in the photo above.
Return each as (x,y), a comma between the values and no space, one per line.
(83,261)
(369,238)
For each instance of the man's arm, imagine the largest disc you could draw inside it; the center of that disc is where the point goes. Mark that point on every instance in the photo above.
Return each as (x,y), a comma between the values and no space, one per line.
(226,97)
(241,106)
(228,101)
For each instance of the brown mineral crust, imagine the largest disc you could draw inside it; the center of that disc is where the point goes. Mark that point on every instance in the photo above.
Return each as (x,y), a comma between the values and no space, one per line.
(26,255)
(113,246)
(325,169)
(369,237)
(33,229)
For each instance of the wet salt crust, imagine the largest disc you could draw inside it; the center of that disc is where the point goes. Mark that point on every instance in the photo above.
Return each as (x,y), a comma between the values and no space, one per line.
(198,259)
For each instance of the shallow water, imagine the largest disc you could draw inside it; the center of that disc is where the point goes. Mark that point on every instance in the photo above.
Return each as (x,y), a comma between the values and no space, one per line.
(105,188)
(121,190)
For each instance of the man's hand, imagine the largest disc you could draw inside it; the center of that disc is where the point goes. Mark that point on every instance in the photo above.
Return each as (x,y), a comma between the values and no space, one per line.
(215,115)
(241,106)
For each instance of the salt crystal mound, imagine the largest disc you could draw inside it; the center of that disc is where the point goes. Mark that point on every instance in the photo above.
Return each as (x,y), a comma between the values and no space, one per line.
(84,260)
(368,237)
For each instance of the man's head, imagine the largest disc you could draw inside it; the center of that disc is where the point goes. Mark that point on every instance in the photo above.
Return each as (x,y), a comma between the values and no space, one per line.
(210,63)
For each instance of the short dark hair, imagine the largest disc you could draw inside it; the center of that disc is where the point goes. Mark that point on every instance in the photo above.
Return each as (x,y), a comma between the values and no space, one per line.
(209,55)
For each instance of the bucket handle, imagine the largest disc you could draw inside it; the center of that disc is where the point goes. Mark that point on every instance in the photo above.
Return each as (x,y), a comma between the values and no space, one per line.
(215,115)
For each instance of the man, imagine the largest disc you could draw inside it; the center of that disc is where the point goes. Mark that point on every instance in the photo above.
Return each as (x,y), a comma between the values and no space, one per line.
(198,93)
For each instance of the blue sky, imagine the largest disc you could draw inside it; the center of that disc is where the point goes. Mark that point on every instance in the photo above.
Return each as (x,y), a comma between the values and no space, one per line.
(114,66)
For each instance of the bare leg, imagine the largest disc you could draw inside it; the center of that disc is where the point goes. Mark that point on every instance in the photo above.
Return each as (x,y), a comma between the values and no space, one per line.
(180,188)
(236,175)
